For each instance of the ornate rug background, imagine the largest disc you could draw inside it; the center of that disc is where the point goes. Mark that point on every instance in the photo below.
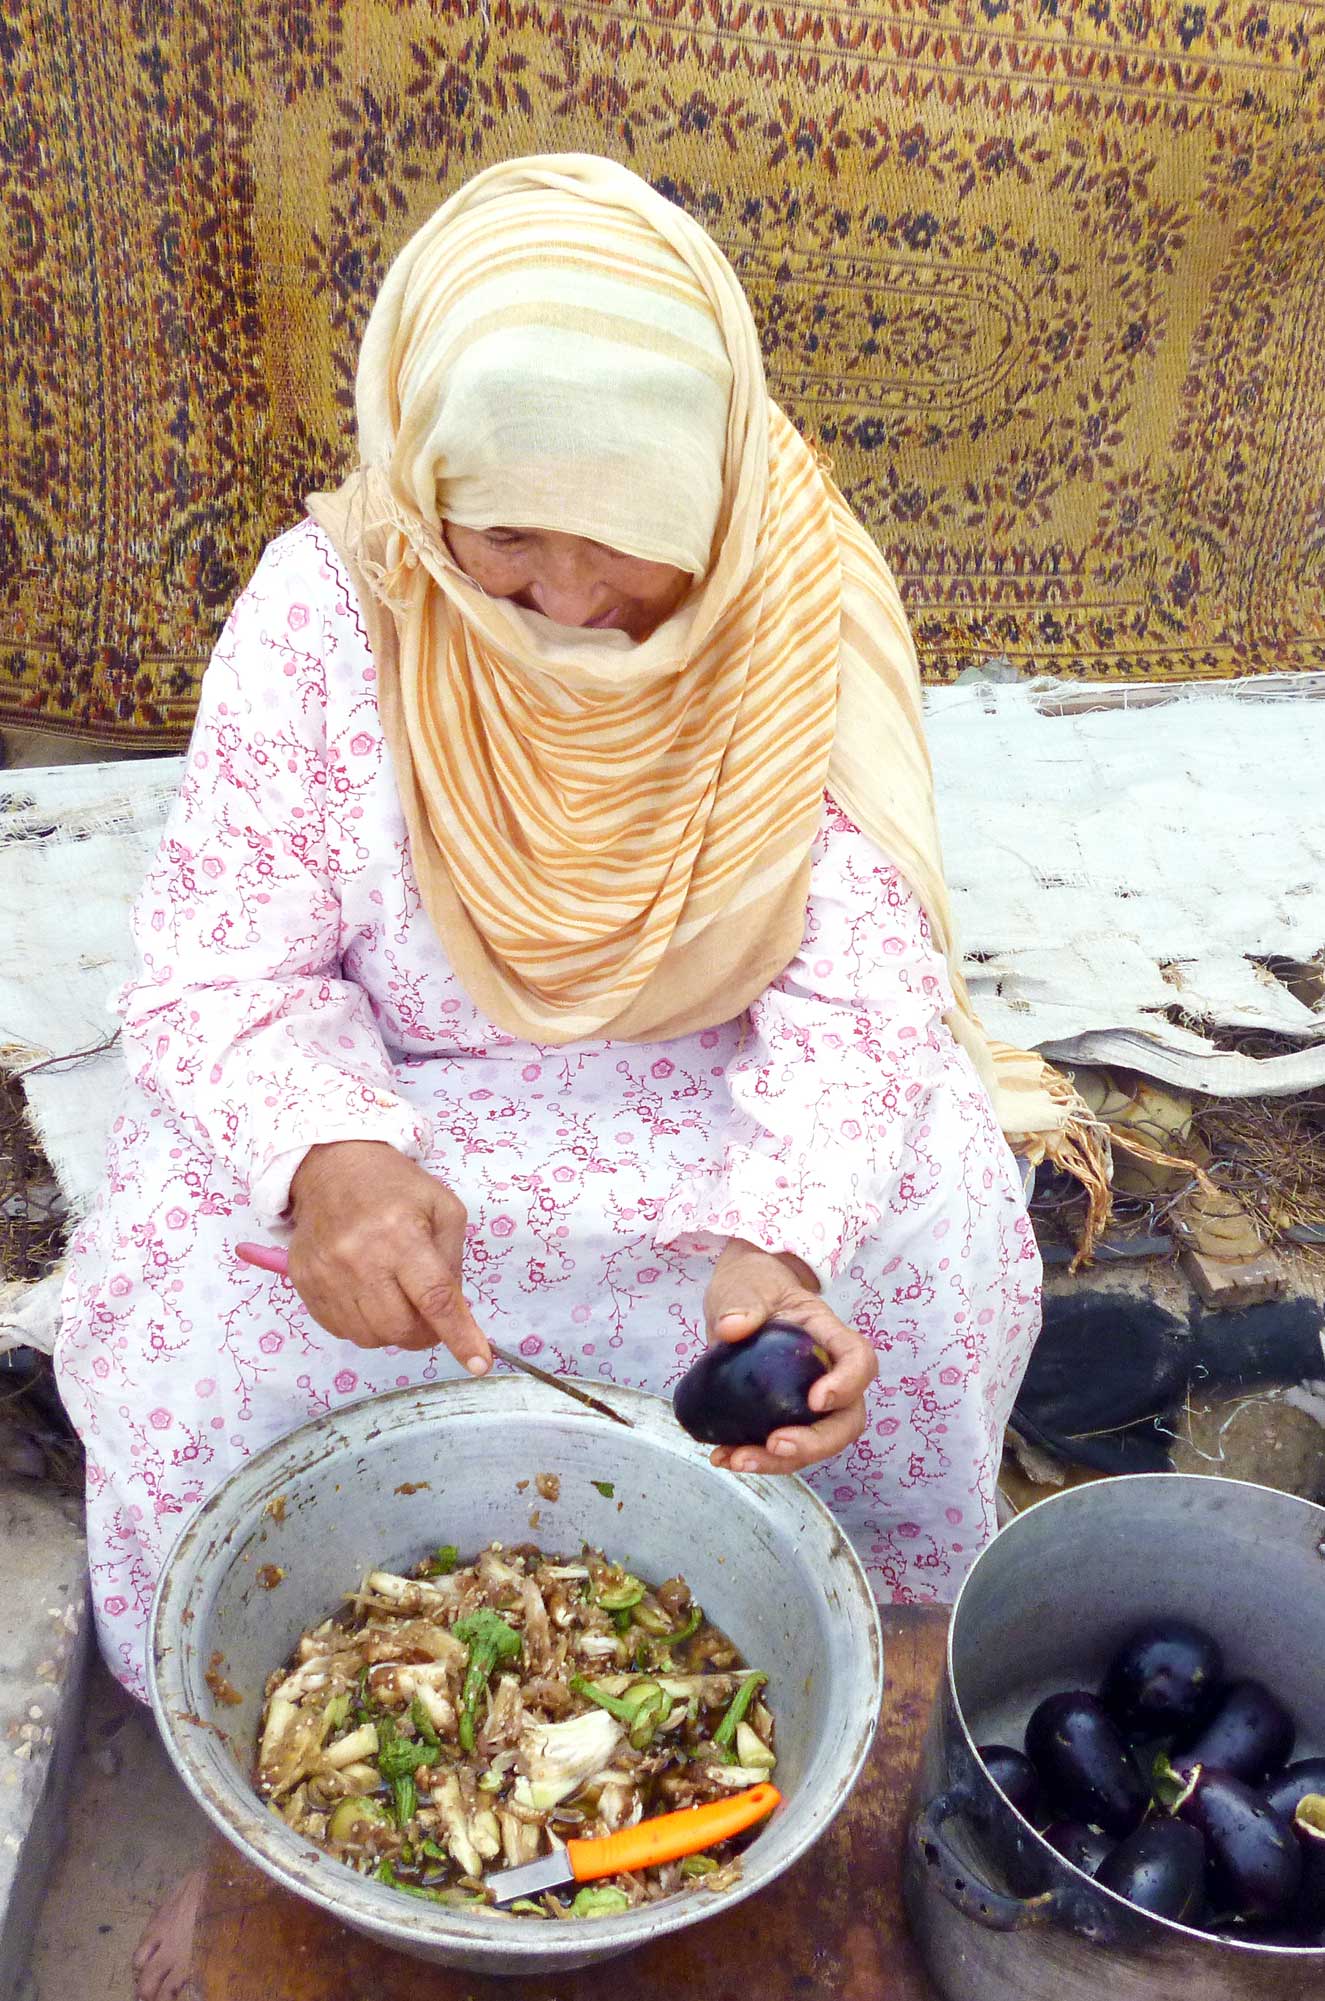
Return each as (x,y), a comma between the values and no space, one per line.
(1046,277)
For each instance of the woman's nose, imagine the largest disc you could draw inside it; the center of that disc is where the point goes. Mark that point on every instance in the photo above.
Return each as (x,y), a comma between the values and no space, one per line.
(568,600)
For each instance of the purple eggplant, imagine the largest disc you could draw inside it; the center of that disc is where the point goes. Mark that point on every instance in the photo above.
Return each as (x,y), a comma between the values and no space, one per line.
(1084,1847)
(1285,1793)
(1160,1867)
(1253,1862)
(1163,1679)
(740,1391)
(1308,1913)
(1084,1764)
(1286,1934)
(1015,1776)
(1249,1734)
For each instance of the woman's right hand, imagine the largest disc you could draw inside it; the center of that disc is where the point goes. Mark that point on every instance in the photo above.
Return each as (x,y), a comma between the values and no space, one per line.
(377,1250)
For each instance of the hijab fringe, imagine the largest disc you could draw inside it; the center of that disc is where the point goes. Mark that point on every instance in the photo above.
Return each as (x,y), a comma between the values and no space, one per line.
(1083,1148)
(1079,1146)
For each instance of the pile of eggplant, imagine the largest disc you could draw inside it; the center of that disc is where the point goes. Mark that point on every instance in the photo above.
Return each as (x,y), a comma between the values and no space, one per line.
(1172,1786)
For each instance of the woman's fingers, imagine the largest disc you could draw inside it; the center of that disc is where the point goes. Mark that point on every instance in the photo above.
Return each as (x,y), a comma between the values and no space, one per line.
(743,1293)
(419,1307)
(793,1448)
(377,1252)
(853,1364)
(350,1308)
(433,1290)
(737,1323)
(388,1320)
(750,1287)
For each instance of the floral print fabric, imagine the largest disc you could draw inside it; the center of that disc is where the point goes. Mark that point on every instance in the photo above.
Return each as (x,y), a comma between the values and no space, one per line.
(291,991)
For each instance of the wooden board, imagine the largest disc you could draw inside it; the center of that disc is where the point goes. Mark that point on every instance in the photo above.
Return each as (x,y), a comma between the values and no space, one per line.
(833,1926)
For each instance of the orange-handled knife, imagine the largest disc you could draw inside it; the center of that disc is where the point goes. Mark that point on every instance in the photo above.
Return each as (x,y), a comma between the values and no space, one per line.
(644,1846)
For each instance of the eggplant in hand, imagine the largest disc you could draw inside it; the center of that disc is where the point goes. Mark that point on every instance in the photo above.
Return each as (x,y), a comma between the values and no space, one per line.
(1286,1793)
(1253,1863)
(1160,1867)
(1084,1847)
(1084,1763)
(1163,1679)
(1015,1776)
(1249,1735)
(740,1391)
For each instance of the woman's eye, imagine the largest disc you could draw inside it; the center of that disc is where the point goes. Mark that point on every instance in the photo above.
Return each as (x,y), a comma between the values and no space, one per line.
(502,538)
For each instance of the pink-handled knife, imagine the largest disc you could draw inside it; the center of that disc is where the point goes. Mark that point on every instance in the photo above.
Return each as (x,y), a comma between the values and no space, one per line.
(270,1257)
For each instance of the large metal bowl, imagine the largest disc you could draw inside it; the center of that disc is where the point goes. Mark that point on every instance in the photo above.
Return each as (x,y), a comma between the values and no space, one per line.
(382,1482)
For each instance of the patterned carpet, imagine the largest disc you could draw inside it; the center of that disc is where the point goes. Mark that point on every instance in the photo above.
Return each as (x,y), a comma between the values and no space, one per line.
(1045,277)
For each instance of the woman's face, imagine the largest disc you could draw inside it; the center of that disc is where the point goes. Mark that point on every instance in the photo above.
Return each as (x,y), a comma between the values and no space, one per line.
(571,581)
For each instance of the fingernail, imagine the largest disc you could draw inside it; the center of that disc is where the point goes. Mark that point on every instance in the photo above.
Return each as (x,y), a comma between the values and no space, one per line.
(784,1448)
(735,1313)
(477,1366)
(743,1463)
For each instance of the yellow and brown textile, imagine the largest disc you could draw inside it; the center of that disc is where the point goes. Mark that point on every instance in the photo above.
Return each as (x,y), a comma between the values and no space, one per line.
(1045,279)
(610,837)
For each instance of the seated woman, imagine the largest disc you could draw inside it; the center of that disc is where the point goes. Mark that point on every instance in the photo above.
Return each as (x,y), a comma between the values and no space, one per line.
(549,937)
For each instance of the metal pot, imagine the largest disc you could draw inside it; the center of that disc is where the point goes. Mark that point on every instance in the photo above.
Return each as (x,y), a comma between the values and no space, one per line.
(386,1480)
(998,1914)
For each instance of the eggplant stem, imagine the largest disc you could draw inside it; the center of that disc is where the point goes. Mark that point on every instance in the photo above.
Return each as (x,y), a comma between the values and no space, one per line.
(1170,1789)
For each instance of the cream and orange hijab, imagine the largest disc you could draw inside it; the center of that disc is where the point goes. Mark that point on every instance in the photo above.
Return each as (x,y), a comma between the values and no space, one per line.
(613,838)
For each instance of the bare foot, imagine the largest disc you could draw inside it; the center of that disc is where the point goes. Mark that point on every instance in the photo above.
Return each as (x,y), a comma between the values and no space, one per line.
(165,1950)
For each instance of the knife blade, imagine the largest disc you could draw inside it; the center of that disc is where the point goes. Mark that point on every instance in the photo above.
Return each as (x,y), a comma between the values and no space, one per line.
(270,1257)
(662,1839)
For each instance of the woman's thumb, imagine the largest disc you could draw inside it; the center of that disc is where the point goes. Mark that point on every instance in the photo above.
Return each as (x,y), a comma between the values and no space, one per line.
(740,1299)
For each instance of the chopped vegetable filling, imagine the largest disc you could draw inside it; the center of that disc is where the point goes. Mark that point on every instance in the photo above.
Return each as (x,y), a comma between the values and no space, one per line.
(478,1716)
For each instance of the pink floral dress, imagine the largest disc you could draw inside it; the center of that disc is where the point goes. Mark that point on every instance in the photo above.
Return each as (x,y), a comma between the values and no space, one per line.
(291,990)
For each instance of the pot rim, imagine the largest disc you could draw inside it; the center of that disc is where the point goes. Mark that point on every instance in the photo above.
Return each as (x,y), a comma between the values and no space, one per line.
(178,1697)
(1313,1953)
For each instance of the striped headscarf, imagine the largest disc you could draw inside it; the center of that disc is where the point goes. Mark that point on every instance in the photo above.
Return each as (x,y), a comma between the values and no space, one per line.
(613,838)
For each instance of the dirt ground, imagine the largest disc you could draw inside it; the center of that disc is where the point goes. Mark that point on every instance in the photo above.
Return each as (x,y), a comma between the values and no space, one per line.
(133,1831)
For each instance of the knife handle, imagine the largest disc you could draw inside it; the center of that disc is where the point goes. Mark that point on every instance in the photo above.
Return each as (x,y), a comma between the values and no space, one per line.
(266,1257)
(670,1835)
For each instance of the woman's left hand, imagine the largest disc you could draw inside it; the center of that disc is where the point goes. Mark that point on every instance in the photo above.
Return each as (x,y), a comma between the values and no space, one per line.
(749,1287)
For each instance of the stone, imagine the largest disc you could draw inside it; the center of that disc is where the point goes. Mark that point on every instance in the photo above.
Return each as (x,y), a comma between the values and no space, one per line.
(44,1640)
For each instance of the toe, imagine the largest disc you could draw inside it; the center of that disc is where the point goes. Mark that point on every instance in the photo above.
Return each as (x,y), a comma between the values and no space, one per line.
(164,1957)
(151,1983)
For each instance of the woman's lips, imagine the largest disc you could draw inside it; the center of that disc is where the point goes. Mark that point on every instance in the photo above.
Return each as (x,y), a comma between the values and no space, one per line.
(616,620)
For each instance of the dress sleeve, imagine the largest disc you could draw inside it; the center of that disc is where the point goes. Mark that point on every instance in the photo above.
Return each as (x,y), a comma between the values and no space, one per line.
(238,1016)
(827,1089)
